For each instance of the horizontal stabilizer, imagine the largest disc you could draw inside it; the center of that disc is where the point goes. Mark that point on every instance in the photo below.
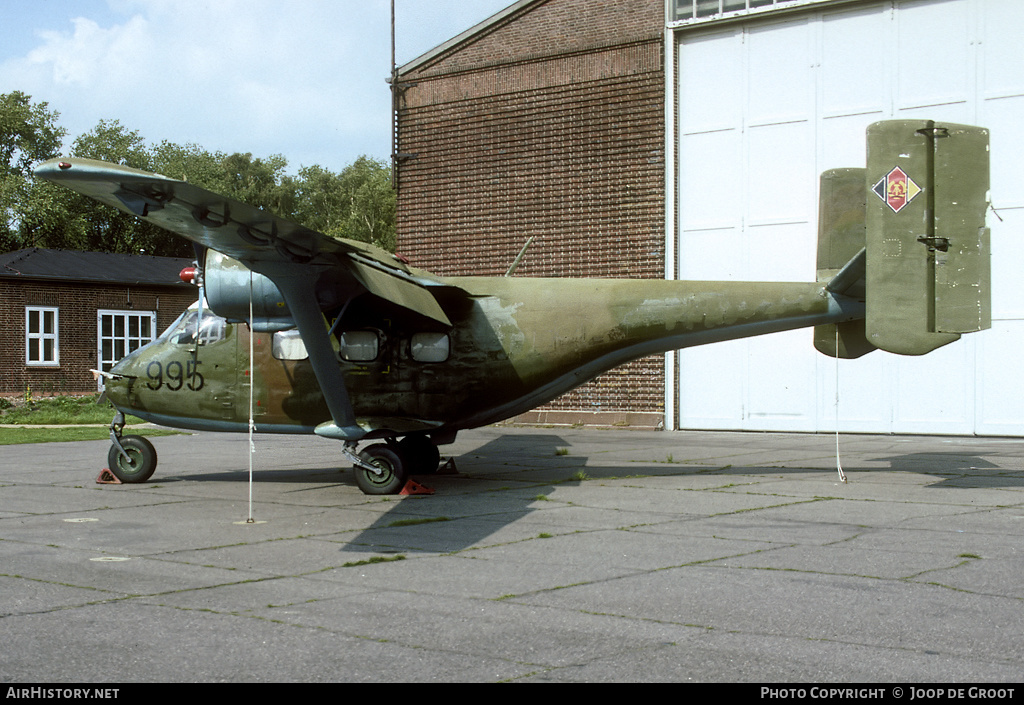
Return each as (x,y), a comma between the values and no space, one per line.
(850,279)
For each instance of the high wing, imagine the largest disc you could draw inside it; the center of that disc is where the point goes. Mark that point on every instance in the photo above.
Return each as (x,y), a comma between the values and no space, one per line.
(241,231)
(295,258)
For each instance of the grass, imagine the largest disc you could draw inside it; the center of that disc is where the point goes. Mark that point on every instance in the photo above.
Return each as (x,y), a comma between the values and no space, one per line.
(375,559)
(57,410)
(414,522)
(75,414)
(27,434)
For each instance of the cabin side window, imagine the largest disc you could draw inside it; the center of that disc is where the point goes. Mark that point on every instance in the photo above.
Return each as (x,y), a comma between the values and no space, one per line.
(288,345)
(430,347)
(358,345)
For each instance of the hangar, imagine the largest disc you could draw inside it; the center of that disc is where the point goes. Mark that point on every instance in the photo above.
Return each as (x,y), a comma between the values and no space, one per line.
(683,139)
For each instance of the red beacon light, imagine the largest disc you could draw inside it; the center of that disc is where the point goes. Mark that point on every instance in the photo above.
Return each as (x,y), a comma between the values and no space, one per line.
(188,275)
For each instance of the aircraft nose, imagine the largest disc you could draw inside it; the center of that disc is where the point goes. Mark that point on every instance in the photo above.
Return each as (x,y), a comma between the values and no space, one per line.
(116,389)
(117,383)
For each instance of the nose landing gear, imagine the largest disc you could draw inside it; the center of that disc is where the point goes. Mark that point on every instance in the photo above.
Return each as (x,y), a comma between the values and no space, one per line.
(131,458)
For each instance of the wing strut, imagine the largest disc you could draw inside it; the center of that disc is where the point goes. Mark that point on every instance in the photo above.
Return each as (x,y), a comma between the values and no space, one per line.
(296,286)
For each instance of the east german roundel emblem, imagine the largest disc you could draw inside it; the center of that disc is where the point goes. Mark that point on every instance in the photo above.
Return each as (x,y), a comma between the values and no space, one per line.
(896,189)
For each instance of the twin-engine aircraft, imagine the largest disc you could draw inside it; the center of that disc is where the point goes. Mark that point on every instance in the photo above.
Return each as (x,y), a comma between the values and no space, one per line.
(349,342)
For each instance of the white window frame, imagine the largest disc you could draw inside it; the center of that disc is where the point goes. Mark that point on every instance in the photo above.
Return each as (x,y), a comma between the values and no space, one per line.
(128,342)
(41,336)
(685,12)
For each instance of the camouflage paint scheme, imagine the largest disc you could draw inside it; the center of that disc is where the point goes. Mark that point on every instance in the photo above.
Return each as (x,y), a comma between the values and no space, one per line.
(514,344)
(351,343)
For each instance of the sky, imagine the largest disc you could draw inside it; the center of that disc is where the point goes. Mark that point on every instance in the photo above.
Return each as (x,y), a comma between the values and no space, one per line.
(305,78)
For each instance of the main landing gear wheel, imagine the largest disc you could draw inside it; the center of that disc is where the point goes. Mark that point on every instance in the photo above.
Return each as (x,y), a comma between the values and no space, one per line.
(393,473)
(420,454)
(140,463)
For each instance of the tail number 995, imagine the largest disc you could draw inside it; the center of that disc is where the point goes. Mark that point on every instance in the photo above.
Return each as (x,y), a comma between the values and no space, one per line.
(175,375)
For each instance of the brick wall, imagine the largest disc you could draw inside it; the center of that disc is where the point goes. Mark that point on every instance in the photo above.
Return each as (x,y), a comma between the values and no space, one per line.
(549,124)
(77,307)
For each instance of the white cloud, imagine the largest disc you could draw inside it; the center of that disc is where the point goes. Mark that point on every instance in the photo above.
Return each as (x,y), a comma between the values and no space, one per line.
(77,59)
(304,78)
(260,76)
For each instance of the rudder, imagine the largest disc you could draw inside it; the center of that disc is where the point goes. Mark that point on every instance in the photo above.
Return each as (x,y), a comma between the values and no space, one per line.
(928,271)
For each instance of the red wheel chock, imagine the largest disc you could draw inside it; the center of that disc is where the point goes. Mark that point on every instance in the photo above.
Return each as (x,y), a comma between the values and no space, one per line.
(107,478)
(413,487)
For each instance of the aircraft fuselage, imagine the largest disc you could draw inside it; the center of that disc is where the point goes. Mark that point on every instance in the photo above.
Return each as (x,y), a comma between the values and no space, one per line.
(514,343)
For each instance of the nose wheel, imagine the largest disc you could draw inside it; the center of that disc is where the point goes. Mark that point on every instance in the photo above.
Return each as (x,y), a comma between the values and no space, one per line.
(132,459)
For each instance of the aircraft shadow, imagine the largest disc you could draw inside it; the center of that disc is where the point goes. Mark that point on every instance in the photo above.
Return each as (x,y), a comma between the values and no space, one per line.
(959,470)
(496,485)
(512,460)
(501,481)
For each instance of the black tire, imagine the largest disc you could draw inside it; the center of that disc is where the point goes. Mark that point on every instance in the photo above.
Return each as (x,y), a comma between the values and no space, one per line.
(141,461)
(393,478)
(420,454)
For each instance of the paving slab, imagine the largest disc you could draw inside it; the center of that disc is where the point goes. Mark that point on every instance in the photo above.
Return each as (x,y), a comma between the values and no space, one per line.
(552,555)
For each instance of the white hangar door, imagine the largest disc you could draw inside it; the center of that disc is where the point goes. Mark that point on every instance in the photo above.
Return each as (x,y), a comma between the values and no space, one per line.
(763,108)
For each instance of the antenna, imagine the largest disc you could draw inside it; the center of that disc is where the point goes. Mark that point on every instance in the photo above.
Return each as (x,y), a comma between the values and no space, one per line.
(519,258)
(394,99)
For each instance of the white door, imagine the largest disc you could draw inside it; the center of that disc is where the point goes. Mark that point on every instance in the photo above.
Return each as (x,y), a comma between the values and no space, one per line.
(763,108)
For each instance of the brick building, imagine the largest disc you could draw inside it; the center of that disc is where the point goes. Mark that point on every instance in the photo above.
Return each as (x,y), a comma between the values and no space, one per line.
(683,139)
(64,313)
(546,121)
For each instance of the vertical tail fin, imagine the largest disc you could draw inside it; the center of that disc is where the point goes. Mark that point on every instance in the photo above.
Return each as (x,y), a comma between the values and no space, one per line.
(923,199)
(928,247)
(841,243)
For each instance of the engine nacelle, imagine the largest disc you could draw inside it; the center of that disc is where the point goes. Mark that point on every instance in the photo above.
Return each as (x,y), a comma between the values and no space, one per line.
(227,285)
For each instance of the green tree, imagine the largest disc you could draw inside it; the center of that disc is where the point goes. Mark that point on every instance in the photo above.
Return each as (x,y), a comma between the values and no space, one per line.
(358,203)
(191,163)
(260,182)
(112,142)
(371,216)
(50,216)
(321,202)
(109,230)
(28,134)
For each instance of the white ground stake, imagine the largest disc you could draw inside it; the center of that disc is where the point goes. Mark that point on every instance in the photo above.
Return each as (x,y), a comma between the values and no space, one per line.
(839,465)
(252,423)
